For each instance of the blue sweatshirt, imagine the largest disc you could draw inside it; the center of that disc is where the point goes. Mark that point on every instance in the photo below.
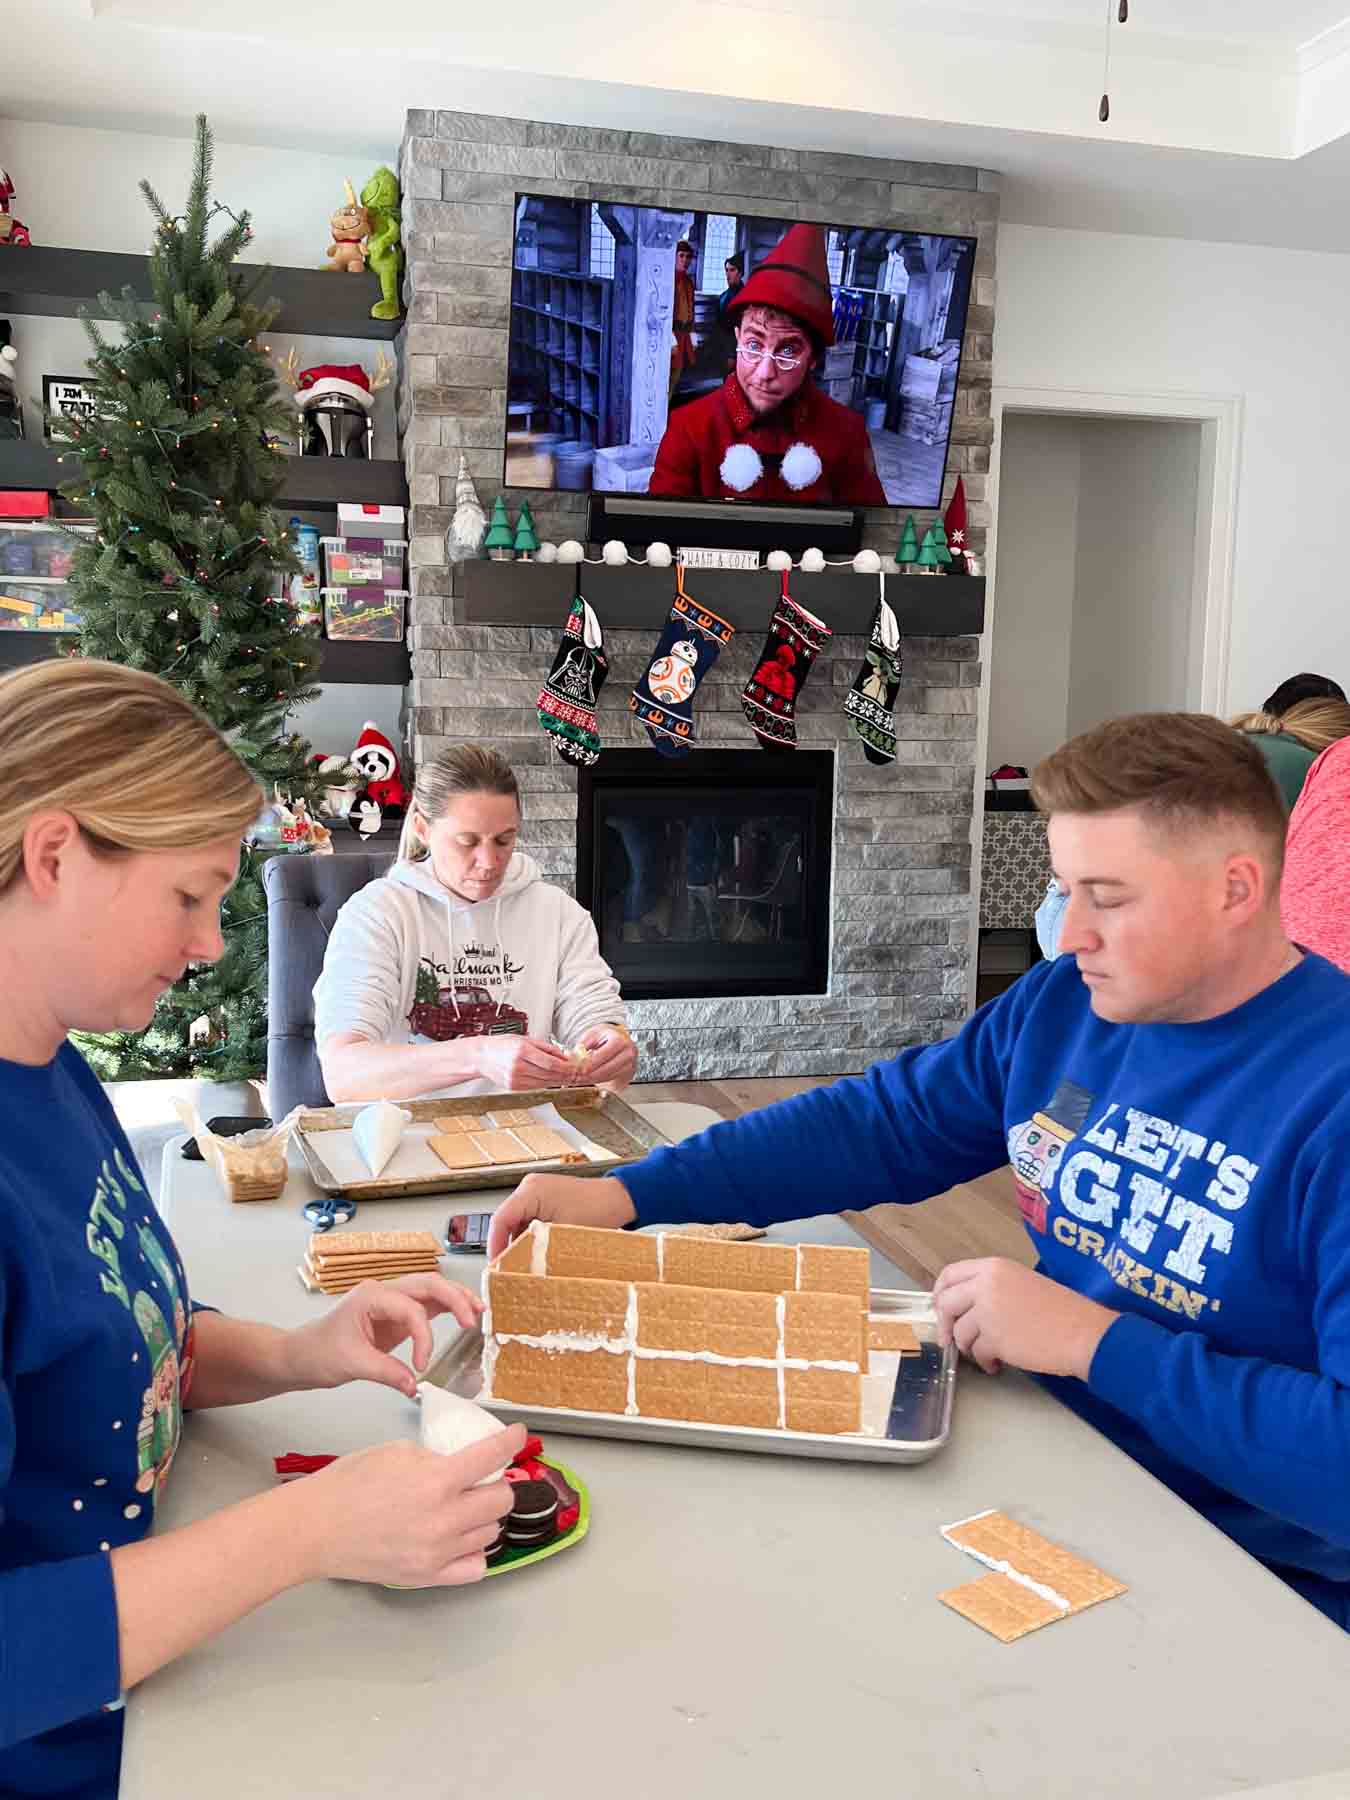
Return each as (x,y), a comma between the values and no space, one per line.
(1194,1178)
(96,1352)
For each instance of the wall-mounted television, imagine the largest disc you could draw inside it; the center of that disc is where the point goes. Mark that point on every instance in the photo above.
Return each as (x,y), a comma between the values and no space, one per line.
(729,357)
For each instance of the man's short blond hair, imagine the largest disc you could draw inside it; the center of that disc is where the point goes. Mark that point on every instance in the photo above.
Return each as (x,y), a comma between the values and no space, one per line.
(1180,770)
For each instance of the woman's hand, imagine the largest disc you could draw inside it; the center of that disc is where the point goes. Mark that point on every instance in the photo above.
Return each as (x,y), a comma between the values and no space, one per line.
(561,1199)
(408,1516)
(611,1057)
(514,1063)
(353,1340)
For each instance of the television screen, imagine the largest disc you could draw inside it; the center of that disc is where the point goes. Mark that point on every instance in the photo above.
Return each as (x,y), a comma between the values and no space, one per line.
(723,356)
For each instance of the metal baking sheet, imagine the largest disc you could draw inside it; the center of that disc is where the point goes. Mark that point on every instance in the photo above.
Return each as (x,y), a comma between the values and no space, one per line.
(918,1423)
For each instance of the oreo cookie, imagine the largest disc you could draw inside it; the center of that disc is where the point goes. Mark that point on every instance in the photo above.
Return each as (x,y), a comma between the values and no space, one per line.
(533,1519)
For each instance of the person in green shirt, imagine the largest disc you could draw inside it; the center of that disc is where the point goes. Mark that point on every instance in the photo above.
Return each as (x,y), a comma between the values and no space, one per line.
(1291,740)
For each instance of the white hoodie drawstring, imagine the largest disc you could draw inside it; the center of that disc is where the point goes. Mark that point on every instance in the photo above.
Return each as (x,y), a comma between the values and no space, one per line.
(454,993)
(501,951)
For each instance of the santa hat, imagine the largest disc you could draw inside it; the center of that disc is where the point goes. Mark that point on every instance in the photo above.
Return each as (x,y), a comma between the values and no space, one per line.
(795,278)
(348,379)
(954,520)
(372,738)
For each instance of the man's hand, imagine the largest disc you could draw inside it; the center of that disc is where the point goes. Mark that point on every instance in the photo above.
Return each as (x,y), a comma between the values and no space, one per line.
(515,1063)
(354,1339)
(611,1058)
(563,1200)
(998,1312)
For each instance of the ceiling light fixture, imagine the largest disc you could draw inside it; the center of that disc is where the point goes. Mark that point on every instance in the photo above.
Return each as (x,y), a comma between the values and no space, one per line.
(1121,9)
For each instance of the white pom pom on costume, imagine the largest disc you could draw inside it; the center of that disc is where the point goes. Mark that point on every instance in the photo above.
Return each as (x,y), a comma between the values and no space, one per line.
(813,561)
(778,559)
(741,467)
(867,562)
(570,551)
(546,553)
(615,552)
(659,556)
(801,467)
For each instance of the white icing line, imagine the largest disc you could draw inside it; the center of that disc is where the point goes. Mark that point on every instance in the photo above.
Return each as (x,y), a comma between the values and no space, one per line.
(999,1566)
(660,1256)
(580,1343)
(780,1314)
(630,1331)
(799,1268)
(539,1248)
(947,1530)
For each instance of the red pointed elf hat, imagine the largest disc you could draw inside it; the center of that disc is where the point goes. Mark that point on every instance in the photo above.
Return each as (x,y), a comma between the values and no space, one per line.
(954,519)
(795,277)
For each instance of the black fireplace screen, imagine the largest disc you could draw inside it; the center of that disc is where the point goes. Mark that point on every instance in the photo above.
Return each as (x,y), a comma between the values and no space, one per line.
(709,875)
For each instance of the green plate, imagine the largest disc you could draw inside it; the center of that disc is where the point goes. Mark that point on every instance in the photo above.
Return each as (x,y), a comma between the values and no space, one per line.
(519,1559)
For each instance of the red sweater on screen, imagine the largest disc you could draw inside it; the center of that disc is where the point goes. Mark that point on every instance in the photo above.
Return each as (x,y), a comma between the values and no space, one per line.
(1315,895)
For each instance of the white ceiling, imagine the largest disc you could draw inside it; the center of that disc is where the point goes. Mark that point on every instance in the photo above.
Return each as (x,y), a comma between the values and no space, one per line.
(1229,117)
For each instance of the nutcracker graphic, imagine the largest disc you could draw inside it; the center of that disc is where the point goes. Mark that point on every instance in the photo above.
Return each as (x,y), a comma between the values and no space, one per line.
(1036,1148)
(671,678)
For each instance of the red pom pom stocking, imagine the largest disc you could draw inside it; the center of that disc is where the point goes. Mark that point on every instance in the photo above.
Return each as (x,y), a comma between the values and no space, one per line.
(796,637)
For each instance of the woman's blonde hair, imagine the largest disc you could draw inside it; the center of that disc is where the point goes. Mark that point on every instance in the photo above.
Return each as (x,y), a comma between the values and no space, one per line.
(460,769)
(135,764)
(1317,724)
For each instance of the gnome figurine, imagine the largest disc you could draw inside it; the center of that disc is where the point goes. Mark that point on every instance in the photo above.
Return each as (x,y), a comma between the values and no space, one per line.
(464,539)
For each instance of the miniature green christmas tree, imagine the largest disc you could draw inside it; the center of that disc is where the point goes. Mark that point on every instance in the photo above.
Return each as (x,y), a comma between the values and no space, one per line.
(497,543)
(928,559)
(908,553)
(526,542)
(941,548)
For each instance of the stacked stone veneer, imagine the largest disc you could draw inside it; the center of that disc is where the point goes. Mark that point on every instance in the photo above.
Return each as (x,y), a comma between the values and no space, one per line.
(902,910)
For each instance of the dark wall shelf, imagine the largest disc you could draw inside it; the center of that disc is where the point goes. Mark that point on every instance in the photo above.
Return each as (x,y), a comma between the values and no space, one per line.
(531,593)
(55,284)
(344,660)
(311,481)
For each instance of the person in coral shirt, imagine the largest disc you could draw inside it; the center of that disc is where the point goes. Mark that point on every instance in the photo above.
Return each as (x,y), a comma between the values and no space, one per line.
(769,433)
(1315,891)
(683,349)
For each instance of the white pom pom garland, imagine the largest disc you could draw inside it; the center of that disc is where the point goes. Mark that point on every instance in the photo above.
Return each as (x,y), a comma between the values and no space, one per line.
(778,559)
(813,561)
(741,467)
(546,553)
(659,556)
(801,467)
(615,552)
(867,562)
(571,551)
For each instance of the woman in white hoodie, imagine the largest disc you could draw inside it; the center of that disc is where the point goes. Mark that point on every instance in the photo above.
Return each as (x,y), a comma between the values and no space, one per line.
(461,971)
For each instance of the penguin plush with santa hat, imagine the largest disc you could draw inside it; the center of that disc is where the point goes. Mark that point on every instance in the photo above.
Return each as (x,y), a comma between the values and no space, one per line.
(376,762)
(770,432)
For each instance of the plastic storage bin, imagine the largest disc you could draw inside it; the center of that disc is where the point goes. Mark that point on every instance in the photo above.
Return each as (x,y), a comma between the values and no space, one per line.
(35,565)
(373,613)
(363,562)
(384,522)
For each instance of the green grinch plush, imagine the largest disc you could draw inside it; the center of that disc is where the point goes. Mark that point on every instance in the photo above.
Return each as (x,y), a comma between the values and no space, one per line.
(384,247)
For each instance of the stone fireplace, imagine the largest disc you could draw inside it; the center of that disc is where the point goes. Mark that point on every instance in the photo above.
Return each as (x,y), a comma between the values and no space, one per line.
(899,839)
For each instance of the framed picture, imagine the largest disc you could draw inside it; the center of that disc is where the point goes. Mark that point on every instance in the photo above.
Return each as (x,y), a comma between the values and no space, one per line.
(67,394)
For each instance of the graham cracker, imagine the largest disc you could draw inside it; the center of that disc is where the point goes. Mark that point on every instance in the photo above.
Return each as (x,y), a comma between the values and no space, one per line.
(607,1255)
(893,1334)
(349,1268)
(547,1145)
(744,1268)
(823,1328)
(1007,1607)
(535,1305)
(517,1255)
(327,1245)
(507,1121)
(455,1124)
(501,1146)
(730,1234)
(460,1152)
(588,1381)
(835,1269)
(707,1393)
(825,1400)
(695,1319)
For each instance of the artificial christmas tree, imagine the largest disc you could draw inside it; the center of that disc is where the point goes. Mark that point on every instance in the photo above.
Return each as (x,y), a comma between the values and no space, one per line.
(526,543)
(498,542)
(179,476)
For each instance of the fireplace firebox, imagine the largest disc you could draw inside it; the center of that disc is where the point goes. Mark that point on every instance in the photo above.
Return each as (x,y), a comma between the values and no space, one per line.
(708,875)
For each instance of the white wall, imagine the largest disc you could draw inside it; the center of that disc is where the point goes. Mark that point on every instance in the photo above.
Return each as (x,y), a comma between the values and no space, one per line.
(79,189)
(1093,312)
(1137,490)
(1033,610)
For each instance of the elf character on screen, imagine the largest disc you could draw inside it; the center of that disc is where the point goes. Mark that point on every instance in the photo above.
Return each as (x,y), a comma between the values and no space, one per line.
(770,432)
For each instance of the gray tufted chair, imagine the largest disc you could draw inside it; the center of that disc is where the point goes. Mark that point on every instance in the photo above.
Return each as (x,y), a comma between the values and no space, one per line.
(304,896)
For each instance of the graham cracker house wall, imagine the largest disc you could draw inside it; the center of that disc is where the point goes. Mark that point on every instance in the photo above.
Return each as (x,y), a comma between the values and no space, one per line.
(679,1327)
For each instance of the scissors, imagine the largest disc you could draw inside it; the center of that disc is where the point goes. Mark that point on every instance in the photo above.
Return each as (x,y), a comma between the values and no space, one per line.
(334,1209)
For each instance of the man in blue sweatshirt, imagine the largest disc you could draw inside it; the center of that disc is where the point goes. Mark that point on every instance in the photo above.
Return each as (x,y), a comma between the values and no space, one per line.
(1172,1095)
